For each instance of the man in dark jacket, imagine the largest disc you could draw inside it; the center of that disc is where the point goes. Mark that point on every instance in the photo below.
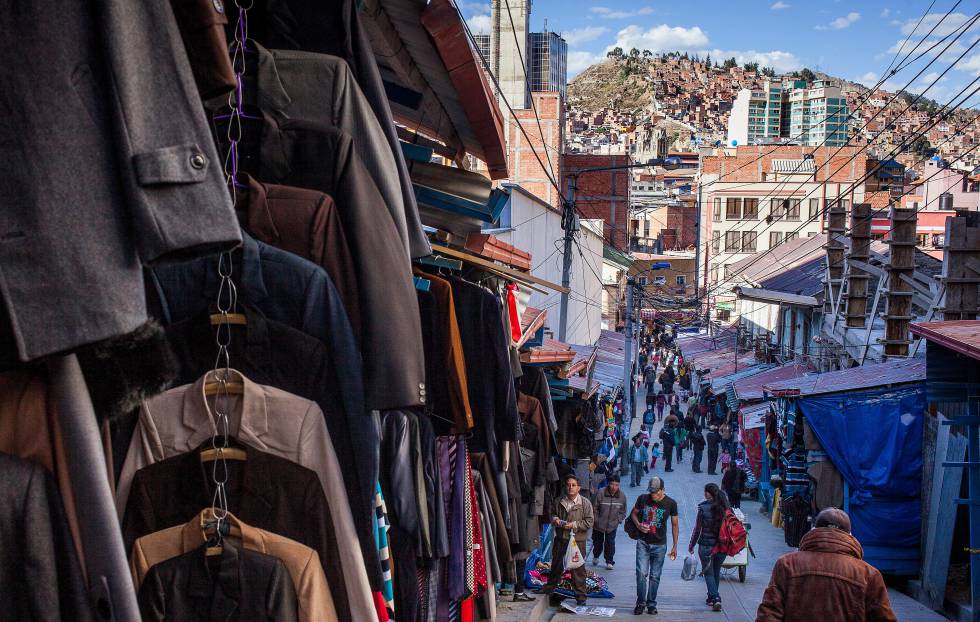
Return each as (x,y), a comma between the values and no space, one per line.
(733,483)
(714,440)
(826,579)
(667,438)
(697,446)
(610,510)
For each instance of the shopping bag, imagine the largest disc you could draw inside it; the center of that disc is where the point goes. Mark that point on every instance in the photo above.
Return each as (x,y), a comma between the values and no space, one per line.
(573,556)
(690,570)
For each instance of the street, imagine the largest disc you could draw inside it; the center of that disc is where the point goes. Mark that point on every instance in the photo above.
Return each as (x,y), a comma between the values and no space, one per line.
(680,600)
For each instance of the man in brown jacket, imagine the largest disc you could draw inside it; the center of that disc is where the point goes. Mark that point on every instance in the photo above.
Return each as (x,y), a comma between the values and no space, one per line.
(826,579)
(573,516)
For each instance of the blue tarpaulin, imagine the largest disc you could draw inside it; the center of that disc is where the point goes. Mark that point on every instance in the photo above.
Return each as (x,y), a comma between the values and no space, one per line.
(874,438)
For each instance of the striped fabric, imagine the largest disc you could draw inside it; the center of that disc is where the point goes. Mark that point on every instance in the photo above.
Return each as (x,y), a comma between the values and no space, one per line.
(384,554)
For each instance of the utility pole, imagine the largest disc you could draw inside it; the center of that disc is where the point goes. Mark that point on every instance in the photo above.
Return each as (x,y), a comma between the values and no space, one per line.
(628,354)
(570,224)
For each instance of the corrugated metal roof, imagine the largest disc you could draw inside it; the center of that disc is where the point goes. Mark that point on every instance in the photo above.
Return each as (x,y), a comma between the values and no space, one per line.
(722,382)
(750,389)
(961,336)
(794,267)
(775,296)
(901,371)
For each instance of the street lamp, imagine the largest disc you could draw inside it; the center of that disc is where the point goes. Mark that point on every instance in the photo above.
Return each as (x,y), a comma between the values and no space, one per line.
(570,225)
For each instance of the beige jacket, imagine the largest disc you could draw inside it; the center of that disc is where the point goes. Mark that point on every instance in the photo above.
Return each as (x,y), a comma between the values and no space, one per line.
(269,420)
(302,562)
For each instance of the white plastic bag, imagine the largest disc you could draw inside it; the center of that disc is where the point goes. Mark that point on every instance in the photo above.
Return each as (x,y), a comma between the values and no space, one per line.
(573,556)
(690,570)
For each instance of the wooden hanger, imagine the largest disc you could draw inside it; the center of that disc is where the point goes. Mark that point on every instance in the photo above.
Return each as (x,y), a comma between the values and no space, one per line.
(223,388)
(228,453)
(231,318)
(212,534)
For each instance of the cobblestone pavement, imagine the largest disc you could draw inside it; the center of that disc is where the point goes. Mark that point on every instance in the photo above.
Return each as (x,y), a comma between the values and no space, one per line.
(680,600)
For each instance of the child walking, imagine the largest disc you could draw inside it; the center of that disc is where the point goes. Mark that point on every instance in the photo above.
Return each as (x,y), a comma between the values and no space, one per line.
(656,454)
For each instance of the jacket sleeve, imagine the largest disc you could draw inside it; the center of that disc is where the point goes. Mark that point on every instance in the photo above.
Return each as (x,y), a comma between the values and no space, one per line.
(588,517)
(282,603)
(877,607)
(623,511)
(771,607)
(698,523)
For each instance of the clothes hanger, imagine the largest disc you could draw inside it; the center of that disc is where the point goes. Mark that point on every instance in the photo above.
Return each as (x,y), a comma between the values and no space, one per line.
(222,449)
(215,531)
(223,386)
(238,319)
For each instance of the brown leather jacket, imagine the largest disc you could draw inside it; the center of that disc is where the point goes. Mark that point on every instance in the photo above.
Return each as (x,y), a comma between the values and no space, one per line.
(825,580)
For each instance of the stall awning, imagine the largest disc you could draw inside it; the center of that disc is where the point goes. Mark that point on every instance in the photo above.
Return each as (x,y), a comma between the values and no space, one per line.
(774,297)
(901,371)
(750,388)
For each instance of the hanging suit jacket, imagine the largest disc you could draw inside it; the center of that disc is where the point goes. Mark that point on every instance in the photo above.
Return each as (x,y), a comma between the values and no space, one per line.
(267,491)
(310,155)
(268,419)
(39,574)
(84,118)
(334,27)
(306,223)
(321,88)
(313,595)
(246,585)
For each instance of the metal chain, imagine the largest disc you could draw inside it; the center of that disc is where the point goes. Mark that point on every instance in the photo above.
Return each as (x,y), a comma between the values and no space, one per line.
(227,299)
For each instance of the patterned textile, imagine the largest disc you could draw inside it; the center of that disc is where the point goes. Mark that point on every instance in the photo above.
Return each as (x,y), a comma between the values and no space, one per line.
(471,524)
(478,554)
(384,554)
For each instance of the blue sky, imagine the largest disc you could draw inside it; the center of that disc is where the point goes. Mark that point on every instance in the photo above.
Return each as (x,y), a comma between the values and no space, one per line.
(848,39)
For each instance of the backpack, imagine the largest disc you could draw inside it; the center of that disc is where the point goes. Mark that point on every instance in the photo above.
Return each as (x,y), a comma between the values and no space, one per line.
(629,526)
(732,537)
(648,417)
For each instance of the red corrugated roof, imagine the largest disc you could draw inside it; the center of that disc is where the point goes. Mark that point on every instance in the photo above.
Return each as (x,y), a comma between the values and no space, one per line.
(899,371)
(750,388)
(961,336)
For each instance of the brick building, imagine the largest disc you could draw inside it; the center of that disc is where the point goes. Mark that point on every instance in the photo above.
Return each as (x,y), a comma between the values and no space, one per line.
(525,168)
(603,195)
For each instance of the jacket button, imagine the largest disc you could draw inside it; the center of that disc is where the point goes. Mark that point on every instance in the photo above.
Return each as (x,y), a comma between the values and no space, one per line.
(198,161)
(218,6)
(421,385)
(422,400)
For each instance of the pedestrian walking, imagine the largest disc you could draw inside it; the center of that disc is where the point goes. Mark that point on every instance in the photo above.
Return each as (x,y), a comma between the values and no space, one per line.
(733,483)
(680,442)
(650,516)
(572,520)
(826,579)
(655,453)
(711,511)
(610,511)
(661,401)
(649,417)
(714,442)
(697,447)
(638,460)
(667,438)
(652,395)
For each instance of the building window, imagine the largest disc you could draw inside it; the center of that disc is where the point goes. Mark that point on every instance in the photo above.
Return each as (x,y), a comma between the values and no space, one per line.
(635,226)
(814,208)
(748,241)
(776,209)
(792,209)
(733,209)
(938,239)
(732,242)
(646,228)
(715,241)
(845,203)
(643,281)
(714,274)
(792,235)
(681,279)
(750,209)
(728,271)
(775,238)
(923,239)
(716,216)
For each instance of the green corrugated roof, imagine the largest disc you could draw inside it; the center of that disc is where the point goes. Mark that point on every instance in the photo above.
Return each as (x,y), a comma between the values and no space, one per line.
(617,257)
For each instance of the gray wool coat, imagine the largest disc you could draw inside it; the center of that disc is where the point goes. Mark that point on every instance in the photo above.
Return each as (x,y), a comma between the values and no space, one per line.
(107,164)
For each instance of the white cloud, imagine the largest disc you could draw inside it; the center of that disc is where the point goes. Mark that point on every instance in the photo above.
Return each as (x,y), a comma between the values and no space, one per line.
(841,22)
(949,25)
(606,13)
(885,12)
(584,35)
(479,24)
(661,38)
(869,79)
(474,7)
(781,61)
(946,50)
(779,5)
(578,61)
(971,65)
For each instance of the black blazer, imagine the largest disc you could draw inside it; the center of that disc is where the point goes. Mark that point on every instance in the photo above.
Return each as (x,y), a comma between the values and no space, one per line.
(240,586)
(265,491)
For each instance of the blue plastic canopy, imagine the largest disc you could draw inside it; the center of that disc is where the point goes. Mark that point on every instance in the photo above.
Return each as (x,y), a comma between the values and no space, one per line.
(874,438)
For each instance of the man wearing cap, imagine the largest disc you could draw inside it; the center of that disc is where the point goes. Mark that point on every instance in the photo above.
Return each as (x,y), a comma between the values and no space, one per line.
(650,515)
(826,579)
(610,510)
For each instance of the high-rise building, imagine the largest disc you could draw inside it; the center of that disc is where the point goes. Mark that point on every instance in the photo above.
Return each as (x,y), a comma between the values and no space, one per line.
(790,112)
(483,46)
(549,53)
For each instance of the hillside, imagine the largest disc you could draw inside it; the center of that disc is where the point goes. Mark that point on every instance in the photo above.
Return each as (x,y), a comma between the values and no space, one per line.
(612,84)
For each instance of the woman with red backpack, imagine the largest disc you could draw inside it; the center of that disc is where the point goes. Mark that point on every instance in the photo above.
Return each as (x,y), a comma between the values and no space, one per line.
(711,514)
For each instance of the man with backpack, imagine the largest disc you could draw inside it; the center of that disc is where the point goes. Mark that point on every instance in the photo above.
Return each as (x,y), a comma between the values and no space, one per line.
(647,525)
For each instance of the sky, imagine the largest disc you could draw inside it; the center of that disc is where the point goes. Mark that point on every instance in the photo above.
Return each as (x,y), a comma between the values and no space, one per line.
(844,38)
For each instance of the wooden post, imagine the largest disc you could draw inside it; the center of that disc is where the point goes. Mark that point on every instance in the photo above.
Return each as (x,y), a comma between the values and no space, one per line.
(836,219)
(898,308)
(960,264)
(857,279)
